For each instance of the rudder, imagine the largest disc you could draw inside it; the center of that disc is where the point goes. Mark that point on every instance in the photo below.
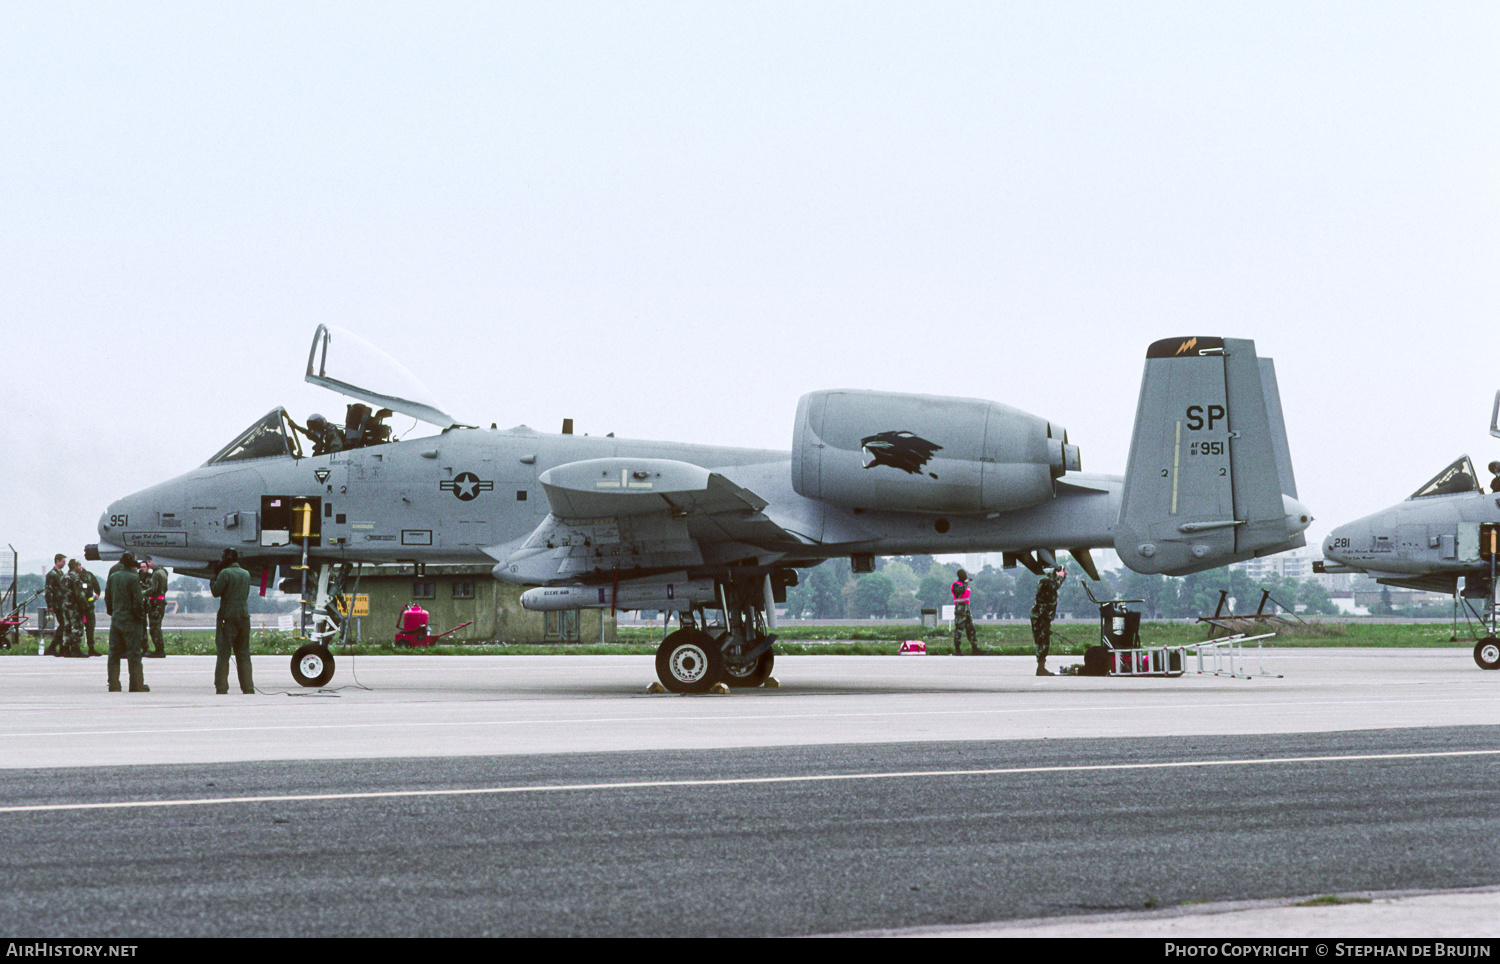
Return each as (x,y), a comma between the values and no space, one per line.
(1209,469)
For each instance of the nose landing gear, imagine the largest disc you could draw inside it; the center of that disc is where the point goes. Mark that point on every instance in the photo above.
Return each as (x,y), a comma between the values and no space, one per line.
(313,664)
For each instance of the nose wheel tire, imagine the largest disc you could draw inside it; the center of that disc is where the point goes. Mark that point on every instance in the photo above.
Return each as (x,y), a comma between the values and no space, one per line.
(689,661)
(312,665)
(1487,653)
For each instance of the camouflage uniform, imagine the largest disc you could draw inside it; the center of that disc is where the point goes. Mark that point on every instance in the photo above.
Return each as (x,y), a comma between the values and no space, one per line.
(56,592)
(154,584)
(86,613)
(73,627)
(1042,612)
(963,619)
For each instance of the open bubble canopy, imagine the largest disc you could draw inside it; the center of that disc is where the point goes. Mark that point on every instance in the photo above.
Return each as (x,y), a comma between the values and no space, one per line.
(346,363)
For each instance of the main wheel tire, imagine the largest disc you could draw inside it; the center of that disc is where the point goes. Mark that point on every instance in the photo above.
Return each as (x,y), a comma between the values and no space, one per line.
(312,665)
(689,661)
(753,675)
(1487,653)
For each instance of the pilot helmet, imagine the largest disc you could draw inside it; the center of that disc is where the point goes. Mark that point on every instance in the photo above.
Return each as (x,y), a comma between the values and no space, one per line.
(1495,468)
(316,421)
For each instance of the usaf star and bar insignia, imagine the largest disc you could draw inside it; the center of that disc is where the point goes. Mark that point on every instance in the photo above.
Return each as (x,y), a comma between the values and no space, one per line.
(467,486)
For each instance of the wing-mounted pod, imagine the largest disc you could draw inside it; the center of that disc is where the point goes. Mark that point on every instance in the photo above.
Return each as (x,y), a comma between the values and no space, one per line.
(1209,481)
(924,453)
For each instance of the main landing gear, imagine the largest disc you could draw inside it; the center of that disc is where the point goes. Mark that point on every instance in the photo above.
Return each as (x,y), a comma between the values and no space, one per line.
(694,659)
(1487,653)
(689,661)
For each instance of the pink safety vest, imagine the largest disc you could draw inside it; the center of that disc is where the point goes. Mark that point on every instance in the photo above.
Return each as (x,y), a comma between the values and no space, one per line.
(964,598)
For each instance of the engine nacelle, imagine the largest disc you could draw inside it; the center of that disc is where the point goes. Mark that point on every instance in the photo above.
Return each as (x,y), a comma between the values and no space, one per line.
(924,453)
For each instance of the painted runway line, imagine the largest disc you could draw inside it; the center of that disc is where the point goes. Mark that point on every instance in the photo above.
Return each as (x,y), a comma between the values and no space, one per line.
(735,781)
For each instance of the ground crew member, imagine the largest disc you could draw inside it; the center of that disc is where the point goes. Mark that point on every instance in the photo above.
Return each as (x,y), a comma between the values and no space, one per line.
(963,620)
(74,603)
(56,592)
(1042,612)
(86,606)
(232,630)
(126,605)
(154,584)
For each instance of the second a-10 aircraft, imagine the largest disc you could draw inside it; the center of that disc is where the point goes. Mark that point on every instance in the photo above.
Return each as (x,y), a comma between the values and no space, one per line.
(1445,537)
(601,522)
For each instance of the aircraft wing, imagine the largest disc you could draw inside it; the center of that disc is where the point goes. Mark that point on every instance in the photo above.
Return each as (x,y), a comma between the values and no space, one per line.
(620,515)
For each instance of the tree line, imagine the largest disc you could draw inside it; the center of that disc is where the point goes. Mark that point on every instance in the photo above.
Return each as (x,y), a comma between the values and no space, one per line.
(902,586)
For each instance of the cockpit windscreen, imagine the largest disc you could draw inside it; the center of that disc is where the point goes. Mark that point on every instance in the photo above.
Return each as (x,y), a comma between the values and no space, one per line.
(268,437)
(1454,480)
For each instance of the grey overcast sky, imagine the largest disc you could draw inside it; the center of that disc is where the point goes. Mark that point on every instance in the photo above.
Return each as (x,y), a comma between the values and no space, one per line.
(669,220)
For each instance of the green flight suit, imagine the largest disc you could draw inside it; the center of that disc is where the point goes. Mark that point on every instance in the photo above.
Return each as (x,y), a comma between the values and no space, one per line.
(232,629)
(126,606)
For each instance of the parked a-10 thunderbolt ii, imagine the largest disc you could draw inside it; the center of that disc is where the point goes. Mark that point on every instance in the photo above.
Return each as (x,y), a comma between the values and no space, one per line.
(600,522)
(1446,530)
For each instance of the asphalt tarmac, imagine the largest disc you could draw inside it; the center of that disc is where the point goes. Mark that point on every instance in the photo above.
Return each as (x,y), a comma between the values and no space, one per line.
(552,796)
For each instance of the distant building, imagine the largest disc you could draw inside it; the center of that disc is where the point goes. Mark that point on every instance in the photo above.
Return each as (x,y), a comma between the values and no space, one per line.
(1296,564)
(459,594)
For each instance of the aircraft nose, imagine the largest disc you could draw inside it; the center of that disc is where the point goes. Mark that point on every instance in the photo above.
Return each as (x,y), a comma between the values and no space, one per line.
(109,538)
(1336,546)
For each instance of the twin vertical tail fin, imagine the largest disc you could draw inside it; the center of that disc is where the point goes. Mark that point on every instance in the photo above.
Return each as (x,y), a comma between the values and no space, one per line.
(1209,481)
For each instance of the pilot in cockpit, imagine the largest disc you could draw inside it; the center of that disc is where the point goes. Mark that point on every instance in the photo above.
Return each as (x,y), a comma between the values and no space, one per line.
(325,437)
(1494,468)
